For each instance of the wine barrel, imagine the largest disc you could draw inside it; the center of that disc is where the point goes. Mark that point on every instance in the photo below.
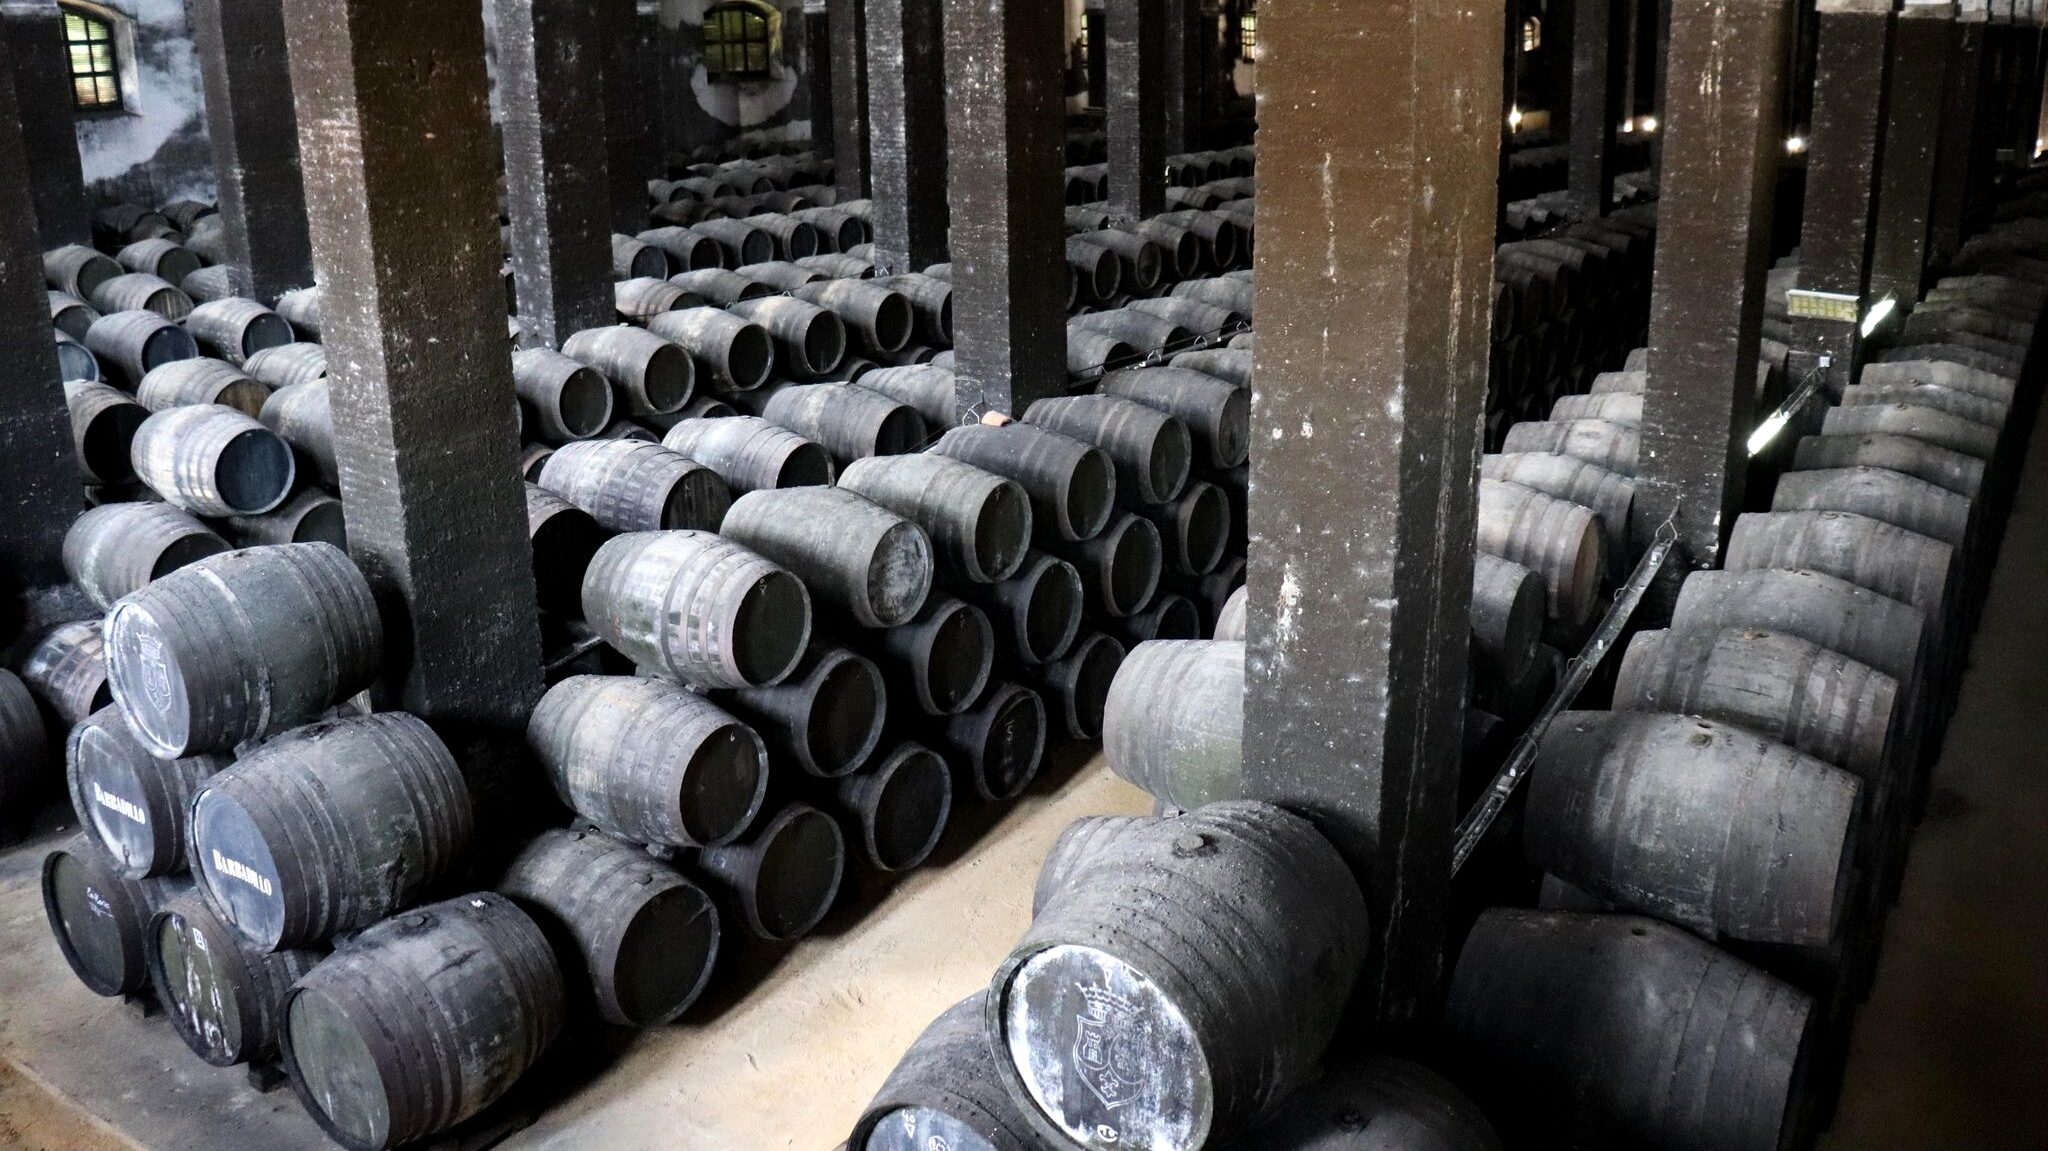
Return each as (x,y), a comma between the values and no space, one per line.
(1072,484)
(301,306)
(288,364)
(809,341)
(1882,494)
(932,300)
(1217,412)
(141,292)
(750,453)
(632,935)
(1819,608)
(1181,981)
(944,1093)
(75,361)
(1608,495)
(1194,528)
(648,761)
(652,375)
(1889,560)
(100,919)
(422,1021)
(1078,683)
(242,645)
(632,486)
(303,416)
(78,270)
(1000,741)
(1090,352)
(24,747)
(213,461)
(1935,427)
(979,523)
(1944,467)
(564,539)
(267,839)
(66,670)
(1379,1103)
(826,717)
(1602,443)
(699,607)
(1230,622)
(879,317)
(850,422)
(724,287)
(1139,260)
(1036,613)
(236,328)
(114,549)
(687,251)
(784,877)
(70,315)
(926,389)
(1507,614)
(942,657)
(1151,449)
(569,401)
(1618,1031)
(899,806)
(1120,568)
(129,344)
(103,424)
(639,300)
(136,806)
(224,998)
(200,381)
(848,551)
(1696,822)
(1557,539)
(1956,402)
(1174,721)
(312,516)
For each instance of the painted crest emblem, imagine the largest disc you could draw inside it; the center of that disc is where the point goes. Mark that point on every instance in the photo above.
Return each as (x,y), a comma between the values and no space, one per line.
(156,672)
(1106,1046)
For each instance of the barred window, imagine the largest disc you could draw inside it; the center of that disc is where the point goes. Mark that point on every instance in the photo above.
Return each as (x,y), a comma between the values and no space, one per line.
(95,70)
(739,40)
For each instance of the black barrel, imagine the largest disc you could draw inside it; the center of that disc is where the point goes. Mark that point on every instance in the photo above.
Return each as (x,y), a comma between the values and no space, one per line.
(999,741)
(1217,413)
(564,539)
(312,516)
(135,805)
(1603,443)
(422,1021)
(1120,568)
(1617,1031)
(1170,616)
(114,549)
(99,918)
(653,376)
(1233,365)
(103,424)
(1608,495)
(631,933)
(850,422)
(633,259)
(330,827)
(1072,483)
(945,1093)
(898,806)
(1945,467)
(75,361)
(225,999)
(1379,1103)
(878,317)
(697,606)
(1694,821)
(809,341)
(979,523)
(687,250)
(1173,723)
(213,461)
(24,747)
(1194,529)
(236,328)
(826,717)
(942,655)
(200,381)
(1079,683)
(923,387)
(750,453)
(1936,427)
(568,400)
(1507,614)
(632,486)
(1182,979)
(932,298)
(848,551)
(78,270)
(1151,449)
(1036,613)
(242,645)
(784,877)
(66,670)
(128,344)
(1819,608)
(723,286)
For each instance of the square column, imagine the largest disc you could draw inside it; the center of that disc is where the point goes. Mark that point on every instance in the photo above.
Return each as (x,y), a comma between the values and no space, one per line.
(1963,138)
(630,115)
(850,144)
(1598,84)
(1922,43)
(255,135)
(907,118)
(49,139)
(1137,108)
(818,76)
(1375,260)
(394,133)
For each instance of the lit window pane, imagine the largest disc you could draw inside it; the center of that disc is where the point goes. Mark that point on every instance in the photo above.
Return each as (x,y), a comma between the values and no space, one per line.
(74,27)
(86,91)
(106,91)
(102,58)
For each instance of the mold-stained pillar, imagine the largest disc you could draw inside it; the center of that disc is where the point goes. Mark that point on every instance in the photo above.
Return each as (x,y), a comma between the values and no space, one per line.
(557,182)
(907,119)
(630,114)
(1959,160)
(1006,150)
(255,135)
(395,138)
(1923,41)
(1137,108)
(1184,74)
(1707,295)
(818,76)
(1597,88)
(849,96)
(1375,259)
(49,141)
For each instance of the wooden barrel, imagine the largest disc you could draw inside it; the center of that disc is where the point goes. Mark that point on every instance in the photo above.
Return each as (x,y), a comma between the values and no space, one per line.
(66,670)
(224,998)
(1078,683)
(1889,560)
(242,645)
(1956,402)
(944,1093)
(312,516)
(1000,741)
(809,340)
(1608,495)
(1882,494)
(24,748)
(140,291)
(750,453)
(941,658)
(1556,539)
(1696,822)
(848,551)
(648,761)
(160,257)
(1180,248)
(236,328)
(850,422)
(564,539)
(699,607)
(1170,616)
(632,935)
(1180,981)
(931,299)
(1174,721)
(1603,443)
(880,318)
(651,375)
(1090,352)
(1958,376)
(213,461)
(1037,613)
(266,833)
(114,549)
(1822,609)
(77,269)
(1072,483)
(979,523)
(1935,427)
(302,415)
(898,806)
(128,344)
(70,315)
(1231,365)
(103,424)
(640,299)
(826,717)
(633,259)
(288,364)
(1151,449)
(1379,1103)
(1945,467)
(422,1021)
(1618,1031)
(724,287)
(687,251)
(1119,569)
(632,486)
(1217,412)
(1507,615)
(136,806)
(301,306)
(568,400)
(926,389)
(100,919)
(783,878)
(200,381)
(1230,622)
(1620,407)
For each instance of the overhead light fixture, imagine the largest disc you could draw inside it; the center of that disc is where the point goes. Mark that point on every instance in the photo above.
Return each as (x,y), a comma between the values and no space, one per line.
(1795,144)
(1628,126)
(1878,313)
(1767,431)
(1515,117)
(1647,124)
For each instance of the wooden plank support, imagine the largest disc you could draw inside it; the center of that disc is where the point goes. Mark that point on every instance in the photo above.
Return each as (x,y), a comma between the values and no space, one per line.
(49,136)
(255,136)
(1375,258)
(1851,82)
(1963,139)
(849,96)
(1598,86)
(1923,41)
(1707,292)
(1137,109)
(557,181)
(631,116)
(1006,147)
(907,123)
(395,137)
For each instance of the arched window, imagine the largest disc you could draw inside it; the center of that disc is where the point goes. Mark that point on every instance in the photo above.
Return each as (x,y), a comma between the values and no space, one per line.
(742,38)
(1248,33)
(95,64)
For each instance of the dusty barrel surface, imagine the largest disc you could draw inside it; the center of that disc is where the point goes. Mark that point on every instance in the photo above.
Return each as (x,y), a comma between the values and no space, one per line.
(1613,1030)
(1935,427)
(1036,613)
(1379,1103)
(1174,724)
(848,421)
(1180,980)
(809,340)
(1120,568)
(312,516)
(1822,609)
(1000,741)
(640,299)
(1151,449)
(1507,614)
(569,400)
(932,299)
(922,387)
(703,608)
(1217,412)
(115,549)
(879,317)
(1078,683)
(1609,495)
(1230,622)
(200,381)
(784,876)
(632,935)
(242,645)
(77,269)
(944,1092)
(1900,500)
(848,551)
(1194,529)
(236,328)
(100,918)
(330,827)
(103,424)
(135,805)
(723,286)
(652,375)
(979,523)
(141,291)
(66,670)
(647,761)
(1071,482)
(1557,539)
(131,343)
(826,717)
(632,486)
(302,415)
(687,250)
(1945,467)
(1903,565)
(1695,821)
(898,806)
(750,453)
(633,258)
(564,539)
(1603,443)
(213,461)
(1170,616)
(943,655)
(24,746)
(224,998)
(422,1021)
(301,306)
(288,364)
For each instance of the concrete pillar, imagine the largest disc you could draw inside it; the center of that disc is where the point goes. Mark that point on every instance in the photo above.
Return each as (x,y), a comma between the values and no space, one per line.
(907,122)
(1597,86)
(49,141)
(849,96)
(255,135)
(818,76)
(1137,108)
(1660,79)
(557,181)
(1922,44)
(1707,295)
(395,138)
(38,481)
(1183,74)
(1851,82)
(1375,257)
(630,114)
(1006,150)
(1957,161)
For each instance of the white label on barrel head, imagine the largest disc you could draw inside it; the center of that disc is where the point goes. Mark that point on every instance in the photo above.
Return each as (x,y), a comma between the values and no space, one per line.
(119,806)
(156,671)
(236,869)
(98,903)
